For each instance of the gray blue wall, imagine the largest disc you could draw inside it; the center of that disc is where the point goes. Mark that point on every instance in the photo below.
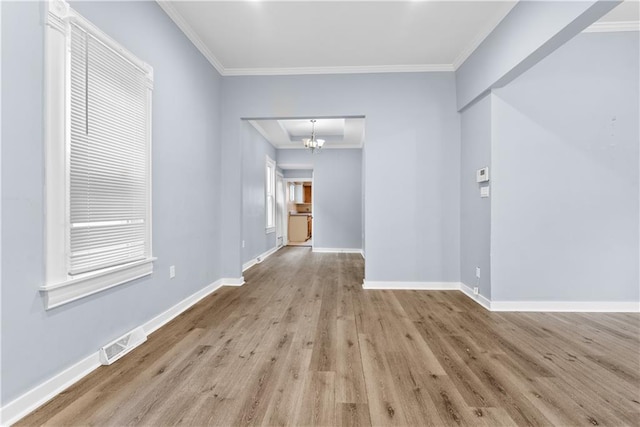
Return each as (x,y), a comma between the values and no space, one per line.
(412,162)
(564,206)
(37,344)
(298,173)
(255,150)
(565,175)
(337,195)
(475,212)
(529,32)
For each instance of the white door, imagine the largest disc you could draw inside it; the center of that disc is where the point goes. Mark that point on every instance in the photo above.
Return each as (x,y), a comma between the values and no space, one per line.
(280,211)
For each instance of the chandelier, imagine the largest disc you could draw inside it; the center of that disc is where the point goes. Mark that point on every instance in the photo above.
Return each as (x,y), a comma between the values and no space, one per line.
(312,143)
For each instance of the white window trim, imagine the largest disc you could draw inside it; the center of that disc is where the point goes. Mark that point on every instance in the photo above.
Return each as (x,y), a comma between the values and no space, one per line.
(61,288)
(292,192)
(272,163)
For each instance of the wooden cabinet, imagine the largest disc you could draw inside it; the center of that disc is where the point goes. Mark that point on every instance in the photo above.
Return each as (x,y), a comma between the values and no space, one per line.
(307,194)
(299,228)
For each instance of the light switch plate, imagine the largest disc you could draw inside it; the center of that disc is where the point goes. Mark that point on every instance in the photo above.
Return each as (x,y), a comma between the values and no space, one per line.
(172,272)
(484,191)
(482,175)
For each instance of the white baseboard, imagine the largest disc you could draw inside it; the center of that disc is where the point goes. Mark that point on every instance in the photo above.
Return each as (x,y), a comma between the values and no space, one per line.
(425,286)
(31,400)
(34,398)
(540,306)
(468,291)
(233,281)
(338,250)
(568,306)
(39,395)
(163,318)
(257,260)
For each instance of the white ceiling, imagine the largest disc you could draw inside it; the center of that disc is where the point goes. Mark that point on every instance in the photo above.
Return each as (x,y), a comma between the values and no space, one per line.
(264,37)
(627,11)
(301,37)
(337,132)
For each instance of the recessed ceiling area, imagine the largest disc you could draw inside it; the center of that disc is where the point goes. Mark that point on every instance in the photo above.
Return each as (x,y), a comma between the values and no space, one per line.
(288,133)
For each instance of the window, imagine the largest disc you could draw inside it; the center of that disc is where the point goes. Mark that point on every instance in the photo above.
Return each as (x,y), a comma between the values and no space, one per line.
(98,145)
(270,194)
(292,192)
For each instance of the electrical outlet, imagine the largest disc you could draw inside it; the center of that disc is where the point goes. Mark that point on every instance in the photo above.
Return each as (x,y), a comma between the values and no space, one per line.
(478,272)
(243,243)
(475,290)
(172,272)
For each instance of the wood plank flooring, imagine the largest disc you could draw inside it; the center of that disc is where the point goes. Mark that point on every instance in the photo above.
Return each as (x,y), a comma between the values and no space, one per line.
(302,344)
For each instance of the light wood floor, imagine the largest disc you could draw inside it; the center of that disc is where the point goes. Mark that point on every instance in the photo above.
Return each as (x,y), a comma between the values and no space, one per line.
(301,343)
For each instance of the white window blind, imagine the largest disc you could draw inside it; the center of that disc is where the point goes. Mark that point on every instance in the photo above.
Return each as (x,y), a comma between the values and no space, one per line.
(109,169)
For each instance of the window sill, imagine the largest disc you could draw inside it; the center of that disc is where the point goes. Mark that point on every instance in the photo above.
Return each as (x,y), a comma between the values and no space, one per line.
(61,293)
(270,230)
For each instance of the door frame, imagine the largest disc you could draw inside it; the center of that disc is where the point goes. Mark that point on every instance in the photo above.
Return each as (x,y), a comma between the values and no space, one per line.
(281,210)
(287,181)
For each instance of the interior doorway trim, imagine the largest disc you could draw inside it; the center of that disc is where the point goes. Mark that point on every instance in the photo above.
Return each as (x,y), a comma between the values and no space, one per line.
(289,180)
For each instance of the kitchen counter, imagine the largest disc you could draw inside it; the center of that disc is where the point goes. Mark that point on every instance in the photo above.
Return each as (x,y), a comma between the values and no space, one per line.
(299,227)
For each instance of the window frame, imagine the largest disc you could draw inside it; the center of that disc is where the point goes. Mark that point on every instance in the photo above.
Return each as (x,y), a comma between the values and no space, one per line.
(269,194)
(60,287)
(292,192)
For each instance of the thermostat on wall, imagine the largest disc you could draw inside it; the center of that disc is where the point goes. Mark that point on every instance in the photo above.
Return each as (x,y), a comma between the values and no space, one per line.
(482,175)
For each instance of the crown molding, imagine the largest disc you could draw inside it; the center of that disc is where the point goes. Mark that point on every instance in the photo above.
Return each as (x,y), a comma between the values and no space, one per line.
(610,27)
(177,18)
(364,69)
(324,148)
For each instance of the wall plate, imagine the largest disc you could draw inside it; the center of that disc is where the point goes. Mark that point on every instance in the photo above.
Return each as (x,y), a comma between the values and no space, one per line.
(482,175)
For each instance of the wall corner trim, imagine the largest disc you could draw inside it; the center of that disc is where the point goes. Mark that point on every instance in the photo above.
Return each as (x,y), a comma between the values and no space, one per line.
(480,299)
(177,18)
(47,390)
(233,281)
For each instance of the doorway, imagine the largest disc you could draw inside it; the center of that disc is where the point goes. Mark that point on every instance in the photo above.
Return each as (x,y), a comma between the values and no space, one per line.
(299,211)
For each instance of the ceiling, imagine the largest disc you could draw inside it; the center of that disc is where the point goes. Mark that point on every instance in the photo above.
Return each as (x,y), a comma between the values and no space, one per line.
(627,11)
(337,132)
(264,37)
(302,37)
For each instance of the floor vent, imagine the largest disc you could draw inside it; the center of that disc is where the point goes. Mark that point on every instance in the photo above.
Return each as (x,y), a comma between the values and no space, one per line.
(123,345)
